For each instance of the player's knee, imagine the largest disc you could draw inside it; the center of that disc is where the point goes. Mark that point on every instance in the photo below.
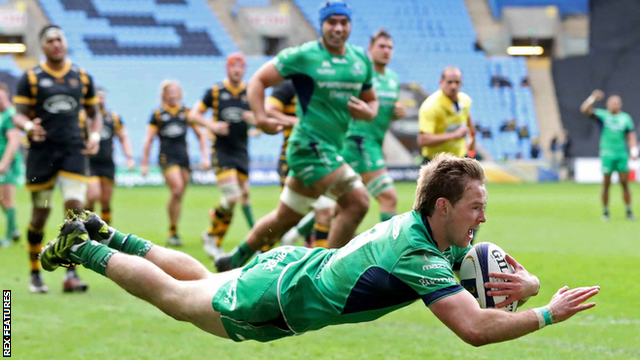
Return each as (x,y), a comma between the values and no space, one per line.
(357,203)
(230,194)
(344,183)
(389,198)
(297,203)
(42,199)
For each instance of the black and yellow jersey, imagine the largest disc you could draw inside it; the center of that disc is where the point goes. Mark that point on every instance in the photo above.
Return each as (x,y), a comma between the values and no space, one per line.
(56,97)
(284,98)
(228,104)
(171,124)
(112,124)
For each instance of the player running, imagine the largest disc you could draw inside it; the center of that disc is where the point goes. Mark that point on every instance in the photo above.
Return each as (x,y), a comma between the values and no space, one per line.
(363,145)
(281,105)
(444,118)
(48,101)
(101,165)
(229,151)
(11,166)
(333,81)
(291,290)
(169,122)
(617,133)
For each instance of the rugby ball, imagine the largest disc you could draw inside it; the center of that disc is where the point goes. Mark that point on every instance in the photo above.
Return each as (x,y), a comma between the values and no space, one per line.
(482,259)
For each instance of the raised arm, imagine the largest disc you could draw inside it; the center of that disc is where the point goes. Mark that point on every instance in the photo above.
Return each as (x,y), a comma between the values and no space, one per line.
(587,106)
(462,314)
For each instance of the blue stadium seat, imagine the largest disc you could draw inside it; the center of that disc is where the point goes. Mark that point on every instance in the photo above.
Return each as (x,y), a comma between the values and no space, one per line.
(566,7)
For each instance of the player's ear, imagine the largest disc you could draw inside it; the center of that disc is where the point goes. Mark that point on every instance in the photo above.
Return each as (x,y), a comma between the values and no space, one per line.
(441,205)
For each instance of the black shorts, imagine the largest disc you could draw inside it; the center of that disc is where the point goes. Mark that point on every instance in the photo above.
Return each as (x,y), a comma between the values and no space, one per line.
(178,159)
(102,169)
(283,167)
(224,160)
(46,161)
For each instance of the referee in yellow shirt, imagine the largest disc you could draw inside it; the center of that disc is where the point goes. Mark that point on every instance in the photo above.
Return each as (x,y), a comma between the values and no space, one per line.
(444,118)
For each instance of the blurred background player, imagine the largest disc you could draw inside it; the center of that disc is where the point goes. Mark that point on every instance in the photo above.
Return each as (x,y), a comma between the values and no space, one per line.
(314,226)
(363,145)
(617,133)
(230,149)
(169,122)
(101,165)
(47,101)
(444,119)
(11,166)
(333,83)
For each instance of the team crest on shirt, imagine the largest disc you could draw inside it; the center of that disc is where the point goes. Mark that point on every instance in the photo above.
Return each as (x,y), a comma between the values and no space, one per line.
(232,114)
(225,96)
(392,83)
(243,98)
(60,104)
(45,82)
(165,117)
(106,133)
(172,130)
(358,68)
(73,83)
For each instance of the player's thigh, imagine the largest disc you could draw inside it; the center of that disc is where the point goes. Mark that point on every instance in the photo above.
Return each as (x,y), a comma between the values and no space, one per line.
(186,176)
(7,195)
(174,180)
(94,188)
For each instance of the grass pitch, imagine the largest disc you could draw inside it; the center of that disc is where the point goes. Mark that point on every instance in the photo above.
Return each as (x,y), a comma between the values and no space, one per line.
(554,230)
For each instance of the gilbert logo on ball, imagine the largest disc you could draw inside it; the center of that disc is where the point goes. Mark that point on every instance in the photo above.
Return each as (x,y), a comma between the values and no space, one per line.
(481,260)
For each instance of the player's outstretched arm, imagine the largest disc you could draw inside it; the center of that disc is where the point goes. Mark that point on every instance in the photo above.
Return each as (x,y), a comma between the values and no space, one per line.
(462,314)
(125,142)
(632,142)
(152,131)
(587,106)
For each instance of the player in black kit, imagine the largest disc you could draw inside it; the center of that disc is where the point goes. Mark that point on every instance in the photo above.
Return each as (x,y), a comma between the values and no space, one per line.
(169,122)
(48,100)
(229,152)
(102,166)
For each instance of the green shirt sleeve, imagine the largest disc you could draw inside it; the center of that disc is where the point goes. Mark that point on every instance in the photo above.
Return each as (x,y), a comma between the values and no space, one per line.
(599,114)
(368,82)
(429,275)
(289,62)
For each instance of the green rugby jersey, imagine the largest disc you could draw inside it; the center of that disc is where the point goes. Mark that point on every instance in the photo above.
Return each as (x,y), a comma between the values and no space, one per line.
(6,124)
(388,89)
(614,129)
(324,84)
(383,269)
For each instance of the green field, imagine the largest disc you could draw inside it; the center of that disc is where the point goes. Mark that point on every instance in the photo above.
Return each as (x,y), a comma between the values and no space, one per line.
(554,230)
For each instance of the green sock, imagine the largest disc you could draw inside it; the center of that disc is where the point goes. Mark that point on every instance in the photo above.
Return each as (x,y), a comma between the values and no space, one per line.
(128,244)
(305,226)
(606,210)
(93,255)
(246,209)
(387,215)
(240,255)
(628,207)
(11,221)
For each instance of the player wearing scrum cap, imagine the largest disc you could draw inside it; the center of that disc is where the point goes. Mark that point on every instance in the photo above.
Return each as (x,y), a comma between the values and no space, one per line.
(48,100)
(333,81)
(292,290)
(229,151)
(169,122)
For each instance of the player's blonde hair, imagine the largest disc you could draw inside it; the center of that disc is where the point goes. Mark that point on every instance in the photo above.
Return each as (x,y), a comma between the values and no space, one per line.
(165,84)
(446,176)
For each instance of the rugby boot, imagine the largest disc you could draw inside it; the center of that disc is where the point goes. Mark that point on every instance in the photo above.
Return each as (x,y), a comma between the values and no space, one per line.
(58,251)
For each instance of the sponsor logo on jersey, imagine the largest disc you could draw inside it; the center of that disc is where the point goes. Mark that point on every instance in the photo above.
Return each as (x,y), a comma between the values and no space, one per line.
(326,71)
(336,60)
(358,68)
(326,64)
(433,281)
(173,130)
(45,82)
(74,83)
(106,133)
(392,83)
(165,117)
(225,96)
(232,114)
(278,257)
(339,85)
(60,104)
